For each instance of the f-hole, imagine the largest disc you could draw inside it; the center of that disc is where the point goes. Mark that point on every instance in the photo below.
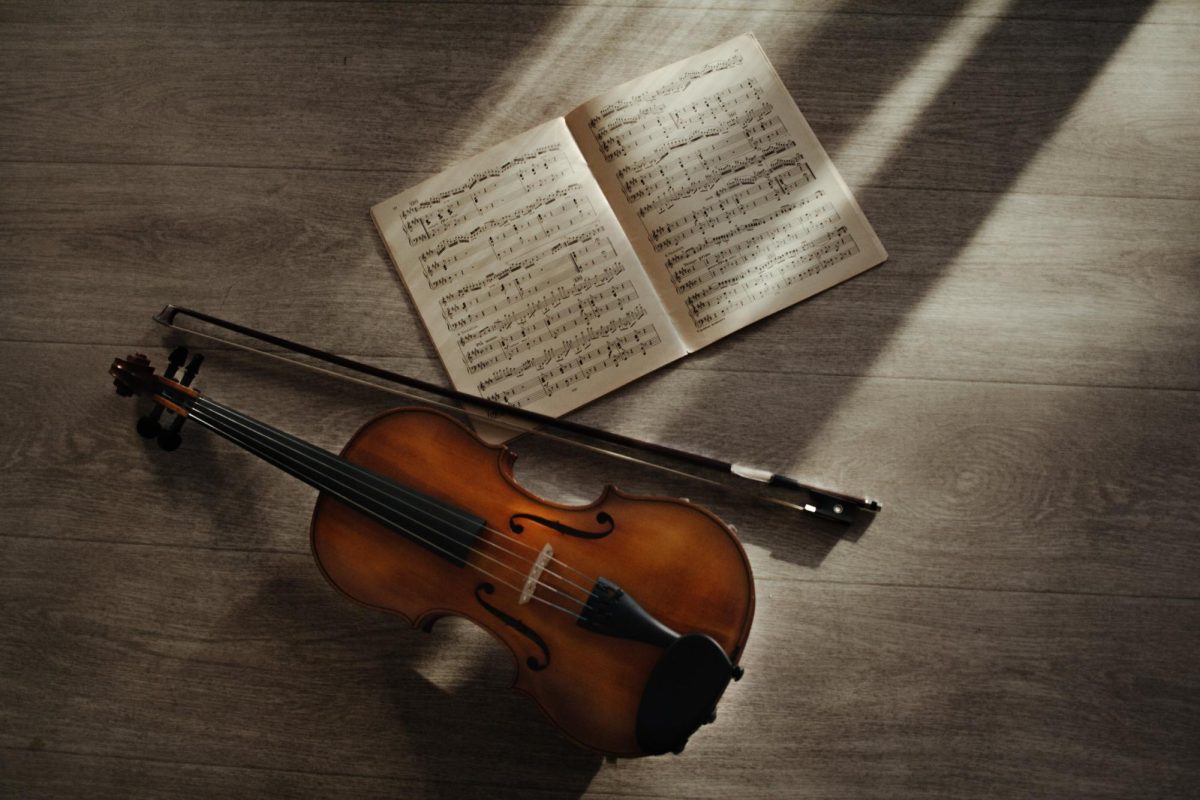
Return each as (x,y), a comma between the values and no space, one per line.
(517,625)
(603,518)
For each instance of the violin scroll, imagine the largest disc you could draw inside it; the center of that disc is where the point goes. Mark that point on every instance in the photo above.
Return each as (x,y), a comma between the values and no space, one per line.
(132,374)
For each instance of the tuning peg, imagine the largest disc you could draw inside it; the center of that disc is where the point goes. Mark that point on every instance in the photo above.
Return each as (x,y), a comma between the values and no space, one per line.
(148,426)
(170,439)
(175,361)
(193,367)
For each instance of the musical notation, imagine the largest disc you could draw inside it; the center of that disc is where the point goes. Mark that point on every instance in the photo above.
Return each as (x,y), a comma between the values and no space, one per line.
(555,374)
(644,224)
(485,191)
(727,197)
(573,330)
(755,250)
(529,288)
(506,236)
(767,278)
(559,270)
(601,128)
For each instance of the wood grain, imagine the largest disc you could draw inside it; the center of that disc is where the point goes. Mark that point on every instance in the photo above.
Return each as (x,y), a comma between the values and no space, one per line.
(1009,694)
(1018,384)
(1119,307)
(235,86)
(985,486)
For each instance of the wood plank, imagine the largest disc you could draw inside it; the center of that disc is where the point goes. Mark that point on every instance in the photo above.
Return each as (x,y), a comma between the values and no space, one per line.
(233,85)
(247,661)
(1014,487)
(38,773)
(1018,384)
(93,251)
(34,773)
(1178,12)
(1039,488)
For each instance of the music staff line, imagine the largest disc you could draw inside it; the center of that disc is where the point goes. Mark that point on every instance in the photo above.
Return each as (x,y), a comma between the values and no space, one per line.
(605,355)
(573,329)
(717,265)
(516,313)
(463,210)
(513,238)
(528,280)
(643,130)
(713,162)
(676,86)
(799,212)
(737,292)
(468,186)
(720,214)
(680,141)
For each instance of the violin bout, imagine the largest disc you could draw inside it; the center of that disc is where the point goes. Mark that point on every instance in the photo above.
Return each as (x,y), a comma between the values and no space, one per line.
(636,625)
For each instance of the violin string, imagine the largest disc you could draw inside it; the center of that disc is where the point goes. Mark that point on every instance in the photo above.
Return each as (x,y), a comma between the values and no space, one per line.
(389,485)
(386,491)
(217,410)
(510,423)
(349,501)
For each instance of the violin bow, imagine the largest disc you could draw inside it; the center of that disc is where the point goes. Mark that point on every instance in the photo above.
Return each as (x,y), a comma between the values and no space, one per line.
(820,502)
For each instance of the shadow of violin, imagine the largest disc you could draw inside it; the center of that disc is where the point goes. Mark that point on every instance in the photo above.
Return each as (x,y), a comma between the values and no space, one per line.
(430,711)
(390,703)
(550,470)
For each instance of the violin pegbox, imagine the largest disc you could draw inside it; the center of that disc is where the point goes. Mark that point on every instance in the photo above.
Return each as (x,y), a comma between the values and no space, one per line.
(134,375)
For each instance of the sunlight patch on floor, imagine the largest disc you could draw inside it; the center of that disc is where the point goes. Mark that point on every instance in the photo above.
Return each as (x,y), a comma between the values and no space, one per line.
(1037,290)
(898,113)
(590,39)
(1131,105)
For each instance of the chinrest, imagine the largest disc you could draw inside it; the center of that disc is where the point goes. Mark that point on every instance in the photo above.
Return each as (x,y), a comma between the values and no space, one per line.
(682,693)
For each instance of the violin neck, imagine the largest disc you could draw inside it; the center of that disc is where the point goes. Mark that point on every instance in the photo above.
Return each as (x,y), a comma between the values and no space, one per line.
(444,529)
(313,465)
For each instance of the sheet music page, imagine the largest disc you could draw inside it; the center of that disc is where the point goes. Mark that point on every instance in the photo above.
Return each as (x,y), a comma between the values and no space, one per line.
(731,203)
(524,278)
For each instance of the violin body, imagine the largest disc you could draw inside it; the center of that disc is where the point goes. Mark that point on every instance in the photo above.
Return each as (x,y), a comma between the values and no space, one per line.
(626,616)
(679,561)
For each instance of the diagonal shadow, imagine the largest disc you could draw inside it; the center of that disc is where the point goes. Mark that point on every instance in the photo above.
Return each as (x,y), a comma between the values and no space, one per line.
(369,671)
(809,62)
(975,138)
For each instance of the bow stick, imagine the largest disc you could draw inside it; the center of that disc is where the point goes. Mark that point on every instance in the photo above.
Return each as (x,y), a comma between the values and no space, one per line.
(821,502)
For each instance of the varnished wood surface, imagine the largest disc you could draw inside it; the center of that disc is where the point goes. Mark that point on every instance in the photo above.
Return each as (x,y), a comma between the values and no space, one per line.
(1018,385)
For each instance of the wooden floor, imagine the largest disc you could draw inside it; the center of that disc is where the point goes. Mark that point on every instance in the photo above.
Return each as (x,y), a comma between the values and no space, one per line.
(1019,384)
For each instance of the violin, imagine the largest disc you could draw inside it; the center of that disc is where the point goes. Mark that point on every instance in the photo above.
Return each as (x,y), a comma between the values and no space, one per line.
(626,616)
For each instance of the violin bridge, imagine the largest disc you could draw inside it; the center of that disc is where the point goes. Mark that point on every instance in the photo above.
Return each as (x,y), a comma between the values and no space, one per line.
(535,574)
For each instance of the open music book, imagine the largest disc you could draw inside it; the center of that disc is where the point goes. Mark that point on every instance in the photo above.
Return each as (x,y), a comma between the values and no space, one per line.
(645,224)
